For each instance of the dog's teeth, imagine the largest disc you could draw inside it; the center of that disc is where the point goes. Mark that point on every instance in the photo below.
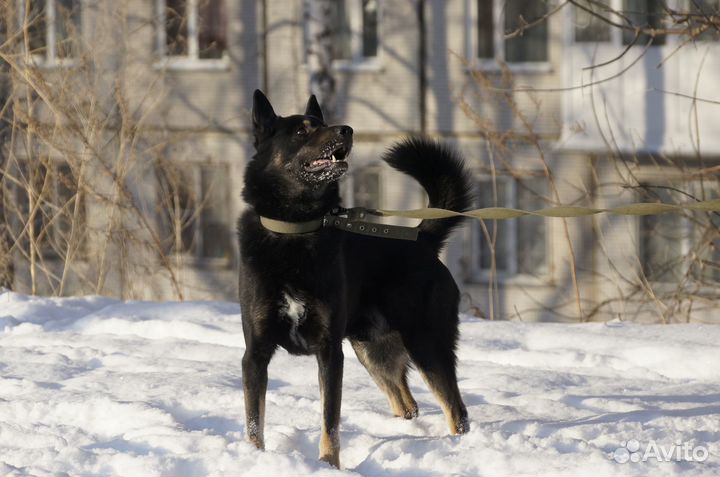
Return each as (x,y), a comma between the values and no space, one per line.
(334,159)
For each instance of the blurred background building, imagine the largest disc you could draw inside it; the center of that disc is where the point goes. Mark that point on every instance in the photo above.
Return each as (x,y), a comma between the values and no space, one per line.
(127,132)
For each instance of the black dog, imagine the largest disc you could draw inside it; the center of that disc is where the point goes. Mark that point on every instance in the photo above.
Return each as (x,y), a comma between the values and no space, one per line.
(306,292)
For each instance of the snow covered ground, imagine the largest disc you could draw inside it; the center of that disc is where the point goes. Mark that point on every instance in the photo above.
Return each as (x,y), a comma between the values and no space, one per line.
(94,386)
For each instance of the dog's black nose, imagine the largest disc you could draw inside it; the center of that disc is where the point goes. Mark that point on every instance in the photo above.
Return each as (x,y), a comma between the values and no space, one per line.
(345,131)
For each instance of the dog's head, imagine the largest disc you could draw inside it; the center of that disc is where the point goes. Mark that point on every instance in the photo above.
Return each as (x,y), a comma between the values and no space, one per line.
(301,147)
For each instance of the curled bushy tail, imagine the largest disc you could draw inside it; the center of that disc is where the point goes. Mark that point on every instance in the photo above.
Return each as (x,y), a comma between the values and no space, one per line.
(440,170)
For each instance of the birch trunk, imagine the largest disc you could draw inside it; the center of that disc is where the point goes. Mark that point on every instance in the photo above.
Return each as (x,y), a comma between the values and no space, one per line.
(321,55)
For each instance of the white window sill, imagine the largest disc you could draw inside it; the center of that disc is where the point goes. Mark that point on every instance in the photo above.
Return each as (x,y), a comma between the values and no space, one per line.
(37,61)
(518,280)
(661,287)
(492,66)
(181,63)
(194,261)
(368,65)
(593,43)
(359,66)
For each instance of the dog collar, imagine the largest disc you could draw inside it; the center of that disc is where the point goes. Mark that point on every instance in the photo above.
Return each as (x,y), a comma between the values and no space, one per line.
(282,227)
(348,220)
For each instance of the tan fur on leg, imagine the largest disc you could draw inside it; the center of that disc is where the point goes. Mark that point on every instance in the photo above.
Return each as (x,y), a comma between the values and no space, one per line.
(330,447)
(456,422)
(396,403)
(409,404)
(393,394)
(386,360)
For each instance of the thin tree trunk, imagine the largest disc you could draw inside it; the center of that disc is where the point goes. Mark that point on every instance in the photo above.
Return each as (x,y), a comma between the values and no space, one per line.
(6,259)
(321,55)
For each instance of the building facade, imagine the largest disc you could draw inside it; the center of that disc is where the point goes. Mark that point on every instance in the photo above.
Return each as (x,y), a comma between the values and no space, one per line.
(548,104)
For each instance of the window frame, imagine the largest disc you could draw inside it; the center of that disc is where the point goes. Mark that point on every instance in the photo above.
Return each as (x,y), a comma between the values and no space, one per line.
(192,60)
(51,224)
(627,37)
(511,275)
(703,38)
(348,186)
(616,35)
(50,59)
(689,229)
(358,62)
(194,255)
(492,64)
(613,36)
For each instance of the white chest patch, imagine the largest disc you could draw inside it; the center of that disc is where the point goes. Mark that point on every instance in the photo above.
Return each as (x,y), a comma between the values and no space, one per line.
(294,309)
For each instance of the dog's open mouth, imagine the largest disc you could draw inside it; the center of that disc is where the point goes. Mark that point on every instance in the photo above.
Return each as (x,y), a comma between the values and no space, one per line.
(334,155)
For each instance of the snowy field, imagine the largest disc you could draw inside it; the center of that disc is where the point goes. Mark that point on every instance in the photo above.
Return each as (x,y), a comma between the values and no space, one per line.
(94,386)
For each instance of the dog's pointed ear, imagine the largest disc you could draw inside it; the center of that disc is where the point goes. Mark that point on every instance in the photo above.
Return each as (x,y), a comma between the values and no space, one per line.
(313,108)
(263,115)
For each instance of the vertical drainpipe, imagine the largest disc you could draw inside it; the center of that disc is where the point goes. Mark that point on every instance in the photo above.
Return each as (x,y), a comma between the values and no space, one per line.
(264,41)
(422,60)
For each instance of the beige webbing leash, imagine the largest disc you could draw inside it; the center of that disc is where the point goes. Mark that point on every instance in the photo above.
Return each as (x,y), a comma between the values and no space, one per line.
(352,220)
(501,213)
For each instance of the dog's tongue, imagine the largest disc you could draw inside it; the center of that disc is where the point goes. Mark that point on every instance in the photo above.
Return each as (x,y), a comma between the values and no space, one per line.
(320,162)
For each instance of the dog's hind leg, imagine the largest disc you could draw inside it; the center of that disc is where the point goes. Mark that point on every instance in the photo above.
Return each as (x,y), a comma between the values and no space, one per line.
(436,364)
(387,361)
(444,386)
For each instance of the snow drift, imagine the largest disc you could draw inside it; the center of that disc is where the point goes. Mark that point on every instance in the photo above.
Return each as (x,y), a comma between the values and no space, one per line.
(95,386)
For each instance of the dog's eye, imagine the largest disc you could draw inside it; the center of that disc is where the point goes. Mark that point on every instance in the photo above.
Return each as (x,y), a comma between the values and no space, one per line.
(302,131)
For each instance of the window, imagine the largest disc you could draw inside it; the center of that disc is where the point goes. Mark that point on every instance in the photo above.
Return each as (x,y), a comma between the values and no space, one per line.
(48,193)
(194,209)
(192,30)
(53,28)
(355,24)
(362,188)
(674,246)
(588,27)
(496,19)
(703,10)
(520,244)
(644,13)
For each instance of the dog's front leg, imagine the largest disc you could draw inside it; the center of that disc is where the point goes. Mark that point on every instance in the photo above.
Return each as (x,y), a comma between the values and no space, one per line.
(330,372)
(255,378)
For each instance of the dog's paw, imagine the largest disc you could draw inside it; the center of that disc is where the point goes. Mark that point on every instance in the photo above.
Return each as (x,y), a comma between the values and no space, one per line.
(411,413)
(462,426)
(332,459)
(257,441)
